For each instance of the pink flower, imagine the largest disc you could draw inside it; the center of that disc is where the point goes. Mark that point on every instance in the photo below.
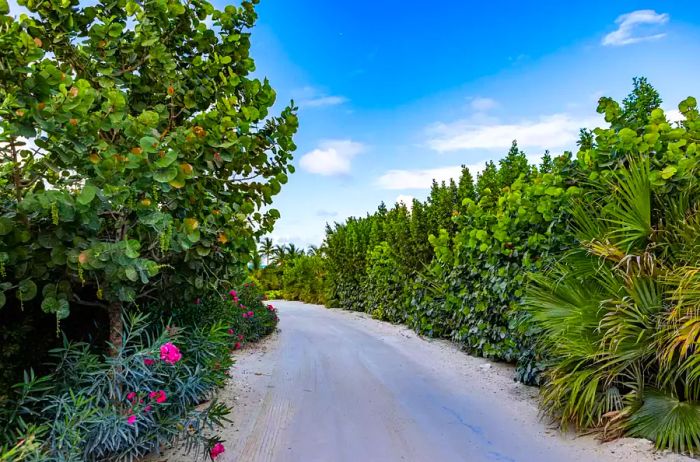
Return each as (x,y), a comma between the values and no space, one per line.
(240,337)
(270,307)
(233,293)
(148,408)
(159,396)
(170,353)
(216,450)
(250,314)
(131,419)
(245,315)
(237,346)
(131,396)
(149,361)
(231,332)
(197,301)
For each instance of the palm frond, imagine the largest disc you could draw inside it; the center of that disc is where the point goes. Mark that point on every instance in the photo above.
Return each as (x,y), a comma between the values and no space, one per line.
(629,207)
(670,423)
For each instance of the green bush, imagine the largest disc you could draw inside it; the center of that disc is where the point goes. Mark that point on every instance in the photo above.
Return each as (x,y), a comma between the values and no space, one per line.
(582,271)
(120,407)
(303,278)
(619,313)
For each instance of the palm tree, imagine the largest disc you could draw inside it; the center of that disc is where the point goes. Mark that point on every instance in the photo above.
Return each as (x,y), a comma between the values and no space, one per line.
(279,252)
(293,251)
(312,251)
(266,249)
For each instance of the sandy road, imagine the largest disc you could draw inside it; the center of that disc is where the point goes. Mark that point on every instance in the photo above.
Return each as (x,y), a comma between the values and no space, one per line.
(336,386)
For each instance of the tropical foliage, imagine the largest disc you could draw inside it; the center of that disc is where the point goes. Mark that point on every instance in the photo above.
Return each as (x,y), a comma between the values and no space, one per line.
(139,164)
(158,388)
(583,270)
(619,311)
(137,153)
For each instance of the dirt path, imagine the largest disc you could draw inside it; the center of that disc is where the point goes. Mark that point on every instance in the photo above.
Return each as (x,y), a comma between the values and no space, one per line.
(337,386)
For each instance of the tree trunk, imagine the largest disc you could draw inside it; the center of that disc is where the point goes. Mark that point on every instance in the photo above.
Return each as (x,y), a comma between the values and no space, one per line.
(116,326)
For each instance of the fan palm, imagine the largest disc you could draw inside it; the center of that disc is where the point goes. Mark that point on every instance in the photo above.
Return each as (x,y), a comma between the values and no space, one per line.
(620,315)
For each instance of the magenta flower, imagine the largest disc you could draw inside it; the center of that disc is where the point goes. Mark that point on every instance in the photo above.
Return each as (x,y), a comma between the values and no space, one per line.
(216,450)
(159,396)
(131,396)
(231,332)
(170,353)
(131,419)
(237,346)
(149,361)
(250,314)
(148,408)
(233,293)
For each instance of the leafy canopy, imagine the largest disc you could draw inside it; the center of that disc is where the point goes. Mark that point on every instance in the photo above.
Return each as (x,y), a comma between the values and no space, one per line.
(138,154)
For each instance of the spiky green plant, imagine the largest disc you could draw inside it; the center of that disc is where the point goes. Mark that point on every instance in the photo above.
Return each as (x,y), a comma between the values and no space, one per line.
(620,314)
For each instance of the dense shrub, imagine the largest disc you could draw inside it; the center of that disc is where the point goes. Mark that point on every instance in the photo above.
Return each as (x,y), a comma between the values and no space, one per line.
(607,243)
(120,407)
(384,286)
(619,313)
(129,132)
(304,279)
(89,394)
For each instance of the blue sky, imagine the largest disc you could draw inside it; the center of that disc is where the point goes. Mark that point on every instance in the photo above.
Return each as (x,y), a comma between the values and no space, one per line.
(393,93)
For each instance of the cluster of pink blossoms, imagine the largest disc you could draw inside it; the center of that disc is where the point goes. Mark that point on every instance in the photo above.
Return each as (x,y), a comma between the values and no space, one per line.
(249,314)
(170,353)
(216,450)
(271,308)
(234,295)
(155,396)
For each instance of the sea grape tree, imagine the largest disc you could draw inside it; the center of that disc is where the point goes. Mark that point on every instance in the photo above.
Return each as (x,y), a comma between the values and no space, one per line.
(139,157)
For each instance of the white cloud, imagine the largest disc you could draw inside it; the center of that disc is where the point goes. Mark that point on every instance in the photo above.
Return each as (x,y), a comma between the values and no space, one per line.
(326,213)
(332,157)
(422,179)
(324,101)
(674,115)
(547,132)
(629,25)
(405,200)
(482,104)
(312,97)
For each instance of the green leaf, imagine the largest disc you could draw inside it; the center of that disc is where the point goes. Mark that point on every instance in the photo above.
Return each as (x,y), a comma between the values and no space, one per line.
(194,236)
(167,159)
(166,175)
(87,194)
(3,299)
(131,273)
(149,144)
(4,7)
(668,172)
(6,226)
(132,247)
(26,290)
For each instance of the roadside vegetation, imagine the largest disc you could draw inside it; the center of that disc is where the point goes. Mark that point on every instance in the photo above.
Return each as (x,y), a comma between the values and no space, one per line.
(139,163)
(583,270)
